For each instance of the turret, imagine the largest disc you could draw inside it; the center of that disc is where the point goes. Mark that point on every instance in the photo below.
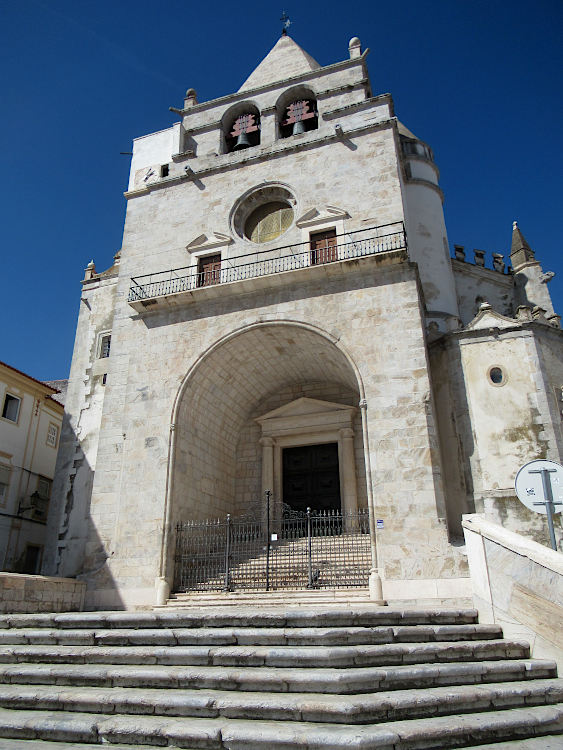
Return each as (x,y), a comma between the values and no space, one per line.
(530,280)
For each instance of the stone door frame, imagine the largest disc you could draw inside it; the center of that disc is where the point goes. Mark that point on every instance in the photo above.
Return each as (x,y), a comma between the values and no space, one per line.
(308,421)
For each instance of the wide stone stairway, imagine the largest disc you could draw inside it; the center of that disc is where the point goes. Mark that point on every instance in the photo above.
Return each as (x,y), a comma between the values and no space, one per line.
(273,678)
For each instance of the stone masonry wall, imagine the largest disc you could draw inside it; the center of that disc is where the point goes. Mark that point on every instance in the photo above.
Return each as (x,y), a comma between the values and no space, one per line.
(27,593)
(152,354)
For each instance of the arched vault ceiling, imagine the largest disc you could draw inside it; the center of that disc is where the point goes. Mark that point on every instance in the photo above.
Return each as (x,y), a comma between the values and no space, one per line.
(236,376)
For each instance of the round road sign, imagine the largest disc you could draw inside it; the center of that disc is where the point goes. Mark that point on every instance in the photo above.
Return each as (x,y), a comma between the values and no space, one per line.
(529,485)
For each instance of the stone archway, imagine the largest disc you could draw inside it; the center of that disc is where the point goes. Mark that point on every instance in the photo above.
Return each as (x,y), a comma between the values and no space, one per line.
(264,365)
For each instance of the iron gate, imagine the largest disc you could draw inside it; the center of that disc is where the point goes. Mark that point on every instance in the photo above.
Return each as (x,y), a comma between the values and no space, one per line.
(306,550)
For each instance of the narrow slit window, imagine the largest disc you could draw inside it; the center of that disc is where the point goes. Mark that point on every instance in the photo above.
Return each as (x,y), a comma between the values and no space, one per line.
(105,345)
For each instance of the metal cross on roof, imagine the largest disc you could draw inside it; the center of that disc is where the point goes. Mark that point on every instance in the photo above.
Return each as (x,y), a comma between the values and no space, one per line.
(286,22)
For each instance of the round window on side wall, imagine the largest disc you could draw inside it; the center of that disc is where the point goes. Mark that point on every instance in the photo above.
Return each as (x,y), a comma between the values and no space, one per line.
(497,375)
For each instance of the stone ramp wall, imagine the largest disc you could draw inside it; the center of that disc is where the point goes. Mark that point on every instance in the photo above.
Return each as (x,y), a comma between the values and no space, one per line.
(517,584)
(26,593)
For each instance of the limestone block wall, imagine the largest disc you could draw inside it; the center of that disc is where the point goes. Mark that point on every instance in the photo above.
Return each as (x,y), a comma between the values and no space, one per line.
(358,311)
(517,584)
(67,528)
(475,285)
(26,593)
(488,431)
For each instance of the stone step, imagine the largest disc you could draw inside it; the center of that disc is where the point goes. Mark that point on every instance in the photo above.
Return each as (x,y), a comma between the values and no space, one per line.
(249,636)
(278,679)
(298,657)
(458,730)
(308,707)
(360,615)
(545,742)
(288,597)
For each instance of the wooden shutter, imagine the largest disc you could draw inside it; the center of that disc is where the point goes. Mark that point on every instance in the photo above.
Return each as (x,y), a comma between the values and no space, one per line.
(324,247)
(209,270)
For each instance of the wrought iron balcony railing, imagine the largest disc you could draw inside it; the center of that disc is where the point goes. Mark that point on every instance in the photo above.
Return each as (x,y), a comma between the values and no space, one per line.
(349,246)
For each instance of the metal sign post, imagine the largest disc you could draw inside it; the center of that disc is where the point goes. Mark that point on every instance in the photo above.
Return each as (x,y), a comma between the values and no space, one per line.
(541,479)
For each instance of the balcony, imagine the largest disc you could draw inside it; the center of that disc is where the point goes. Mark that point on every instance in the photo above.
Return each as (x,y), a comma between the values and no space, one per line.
(268,268)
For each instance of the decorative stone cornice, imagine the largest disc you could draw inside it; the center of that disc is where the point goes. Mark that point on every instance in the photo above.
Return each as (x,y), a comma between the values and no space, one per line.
(209,241)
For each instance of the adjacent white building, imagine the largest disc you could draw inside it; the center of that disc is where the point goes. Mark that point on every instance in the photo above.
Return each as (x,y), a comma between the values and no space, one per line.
(284,314)
(30,427)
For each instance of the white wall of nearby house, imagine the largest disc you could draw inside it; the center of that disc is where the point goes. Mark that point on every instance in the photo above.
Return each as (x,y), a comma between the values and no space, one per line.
(30,428)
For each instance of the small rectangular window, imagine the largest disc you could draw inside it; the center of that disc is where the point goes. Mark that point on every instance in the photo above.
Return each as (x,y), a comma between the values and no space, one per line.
(105,345)
(104,378)
(11,408)
(52,435)
(209,270)
(5,472)
(164,170)
(44,488)
(324,247)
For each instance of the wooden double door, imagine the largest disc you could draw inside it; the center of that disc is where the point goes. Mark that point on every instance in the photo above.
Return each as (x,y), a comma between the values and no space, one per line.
(311,477)
(323,247)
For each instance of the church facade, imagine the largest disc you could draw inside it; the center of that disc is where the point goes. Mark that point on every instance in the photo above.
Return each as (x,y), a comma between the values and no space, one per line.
(285,292)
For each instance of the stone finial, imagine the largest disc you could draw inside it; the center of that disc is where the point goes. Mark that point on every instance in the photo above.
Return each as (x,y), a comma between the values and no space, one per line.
(354,47)
(538,314)
(479,257)
(459,251)
(520,252)
(498,262)
(90,271)
(523,313)
(554,320)
(190,100)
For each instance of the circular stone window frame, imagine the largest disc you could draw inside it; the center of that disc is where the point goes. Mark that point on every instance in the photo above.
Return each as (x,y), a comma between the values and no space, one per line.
(504,380)
(260,195)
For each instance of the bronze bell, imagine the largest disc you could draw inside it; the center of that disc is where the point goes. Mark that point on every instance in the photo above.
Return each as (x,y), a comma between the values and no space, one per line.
(243,141)
(298,127)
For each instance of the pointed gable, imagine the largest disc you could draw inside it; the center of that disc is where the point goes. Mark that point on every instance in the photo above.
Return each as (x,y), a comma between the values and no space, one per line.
(285,60)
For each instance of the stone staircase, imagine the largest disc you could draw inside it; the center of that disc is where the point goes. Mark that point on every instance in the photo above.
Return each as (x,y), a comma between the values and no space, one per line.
(273,678)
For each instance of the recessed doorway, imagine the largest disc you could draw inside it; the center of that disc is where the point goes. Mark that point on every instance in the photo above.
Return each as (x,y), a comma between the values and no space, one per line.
(311,477)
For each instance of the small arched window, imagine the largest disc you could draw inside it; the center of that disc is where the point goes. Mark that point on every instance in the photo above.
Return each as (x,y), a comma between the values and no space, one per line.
(243,132)
(300,116)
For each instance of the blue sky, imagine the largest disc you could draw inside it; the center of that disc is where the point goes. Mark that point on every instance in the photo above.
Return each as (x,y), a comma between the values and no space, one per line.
(479,81)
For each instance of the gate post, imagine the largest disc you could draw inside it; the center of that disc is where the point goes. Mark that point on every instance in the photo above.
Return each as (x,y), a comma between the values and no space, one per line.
(227,585)
(268,494)
(309,550)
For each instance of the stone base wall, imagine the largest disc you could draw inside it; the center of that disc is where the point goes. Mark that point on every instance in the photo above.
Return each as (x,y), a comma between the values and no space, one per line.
(27,593)
(518,584)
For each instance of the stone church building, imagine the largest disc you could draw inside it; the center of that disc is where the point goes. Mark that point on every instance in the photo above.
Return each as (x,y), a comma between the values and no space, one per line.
(284,306)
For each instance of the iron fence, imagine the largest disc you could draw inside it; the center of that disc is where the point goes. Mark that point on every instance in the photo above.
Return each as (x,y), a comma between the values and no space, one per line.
(302,550)
(357,244)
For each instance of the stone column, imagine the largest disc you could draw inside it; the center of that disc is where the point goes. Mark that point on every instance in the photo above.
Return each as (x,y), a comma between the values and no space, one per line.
(348,469)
